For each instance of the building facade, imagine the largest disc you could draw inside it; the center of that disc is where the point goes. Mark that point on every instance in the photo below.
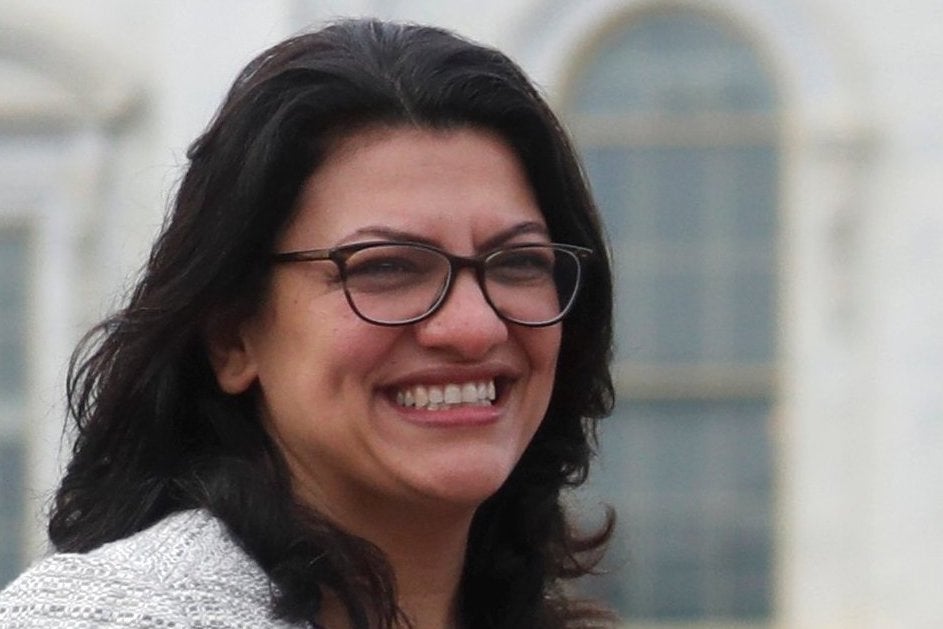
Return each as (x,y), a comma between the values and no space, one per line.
(769,174)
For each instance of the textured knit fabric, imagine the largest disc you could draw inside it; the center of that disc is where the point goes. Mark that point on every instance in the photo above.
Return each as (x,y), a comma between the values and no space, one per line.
(185,572)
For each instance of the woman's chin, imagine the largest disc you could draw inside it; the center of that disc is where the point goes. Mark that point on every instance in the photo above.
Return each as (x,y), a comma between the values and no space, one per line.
(463,486)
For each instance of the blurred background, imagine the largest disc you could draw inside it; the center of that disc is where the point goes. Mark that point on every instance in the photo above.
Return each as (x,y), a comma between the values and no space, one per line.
(770,173)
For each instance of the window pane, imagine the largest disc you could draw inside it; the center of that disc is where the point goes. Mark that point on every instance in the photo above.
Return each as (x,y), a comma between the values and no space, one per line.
(694,534)
(752,192)
(692,232)
(13,261)
(677,297)
(13,303)
(750,316)
(11,509)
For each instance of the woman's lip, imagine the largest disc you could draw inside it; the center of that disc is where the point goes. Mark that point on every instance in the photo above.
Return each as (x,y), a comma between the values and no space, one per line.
(455,417)
(501,373)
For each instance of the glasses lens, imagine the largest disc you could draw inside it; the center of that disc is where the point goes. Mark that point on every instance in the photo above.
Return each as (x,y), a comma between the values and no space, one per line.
(395,283)
(532,284)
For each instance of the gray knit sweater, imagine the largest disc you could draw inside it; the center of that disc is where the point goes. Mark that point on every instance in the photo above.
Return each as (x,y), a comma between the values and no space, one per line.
(185,572)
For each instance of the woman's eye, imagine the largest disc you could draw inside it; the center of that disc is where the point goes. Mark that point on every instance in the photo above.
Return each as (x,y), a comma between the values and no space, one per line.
(520,266)
(381,267)
(383,270)
(388,269)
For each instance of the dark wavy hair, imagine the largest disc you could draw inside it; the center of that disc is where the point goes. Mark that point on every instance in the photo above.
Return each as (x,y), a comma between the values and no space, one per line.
(155,434)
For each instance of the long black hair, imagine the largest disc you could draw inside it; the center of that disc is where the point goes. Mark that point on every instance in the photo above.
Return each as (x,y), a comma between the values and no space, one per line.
(155,434)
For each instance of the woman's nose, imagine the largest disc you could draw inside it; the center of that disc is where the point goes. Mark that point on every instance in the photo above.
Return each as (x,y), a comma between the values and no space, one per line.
(465,322)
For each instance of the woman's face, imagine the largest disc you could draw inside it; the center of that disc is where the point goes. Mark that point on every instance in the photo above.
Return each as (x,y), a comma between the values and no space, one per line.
(331,385)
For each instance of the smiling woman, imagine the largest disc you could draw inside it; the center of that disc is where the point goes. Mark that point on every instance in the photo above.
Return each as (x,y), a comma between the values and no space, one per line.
(367,355)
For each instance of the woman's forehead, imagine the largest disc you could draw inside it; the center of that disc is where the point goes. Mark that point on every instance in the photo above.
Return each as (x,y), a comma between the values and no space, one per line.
(421,180)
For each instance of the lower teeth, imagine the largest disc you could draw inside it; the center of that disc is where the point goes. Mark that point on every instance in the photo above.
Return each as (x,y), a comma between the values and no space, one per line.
(443,407)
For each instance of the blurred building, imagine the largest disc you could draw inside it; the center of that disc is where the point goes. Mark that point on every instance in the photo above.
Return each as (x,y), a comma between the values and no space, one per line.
(770,176)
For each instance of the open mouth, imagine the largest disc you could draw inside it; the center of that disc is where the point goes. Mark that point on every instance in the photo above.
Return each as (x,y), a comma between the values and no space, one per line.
(433,397)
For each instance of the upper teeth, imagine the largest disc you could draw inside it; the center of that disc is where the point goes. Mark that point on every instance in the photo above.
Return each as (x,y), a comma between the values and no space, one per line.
(434,397)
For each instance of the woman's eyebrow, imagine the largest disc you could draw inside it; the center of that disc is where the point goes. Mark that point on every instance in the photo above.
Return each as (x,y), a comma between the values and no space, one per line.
(521,229)
(383,232)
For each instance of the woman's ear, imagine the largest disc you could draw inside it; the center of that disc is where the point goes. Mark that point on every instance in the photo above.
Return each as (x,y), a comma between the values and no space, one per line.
(230,353)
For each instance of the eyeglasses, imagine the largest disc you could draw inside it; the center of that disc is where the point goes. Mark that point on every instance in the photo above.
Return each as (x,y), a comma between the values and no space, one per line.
(391,283)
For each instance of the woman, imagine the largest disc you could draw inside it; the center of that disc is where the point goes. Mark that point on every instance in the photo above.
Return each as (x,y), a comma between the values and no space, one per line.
(367,353)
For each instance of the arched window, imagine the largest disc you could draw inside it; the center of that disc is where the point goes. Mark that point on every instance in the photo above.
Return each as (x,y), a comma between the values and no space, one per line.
(675,116)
